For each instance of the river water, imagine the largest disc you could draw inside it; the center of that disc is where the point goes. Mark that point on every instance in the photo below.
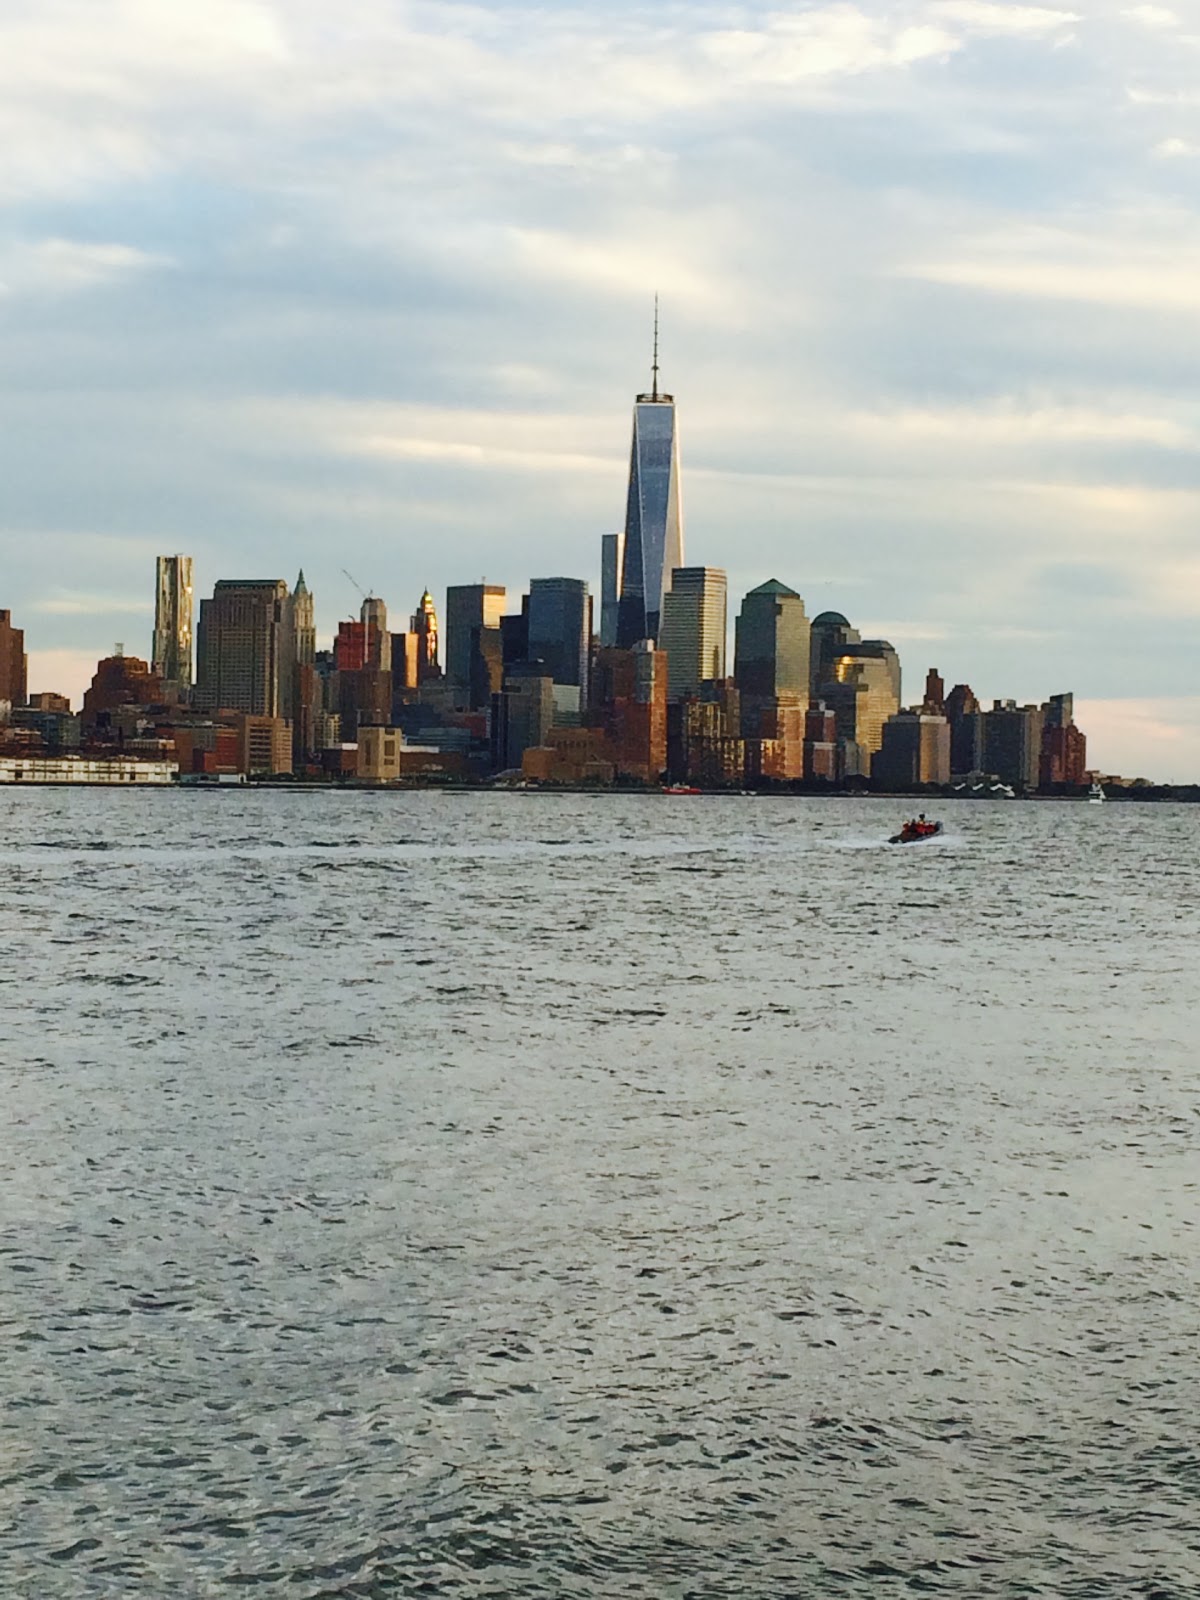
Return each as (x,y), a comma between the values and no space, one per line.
(531,1196)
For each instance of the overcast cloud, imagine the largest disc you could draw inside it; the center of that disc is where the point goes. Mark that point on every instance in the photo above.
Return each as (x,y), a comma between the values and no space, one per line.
(369,286)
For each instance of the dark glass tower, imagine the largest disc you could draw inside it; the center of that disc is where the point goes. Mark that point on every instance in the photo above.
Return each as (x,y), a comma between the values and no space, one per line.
(560,628)
(653,514)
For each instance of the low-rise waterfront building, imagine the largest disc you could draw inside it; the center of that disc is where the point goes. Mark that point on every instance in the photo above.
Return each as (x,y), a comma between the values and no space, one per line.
(75,769)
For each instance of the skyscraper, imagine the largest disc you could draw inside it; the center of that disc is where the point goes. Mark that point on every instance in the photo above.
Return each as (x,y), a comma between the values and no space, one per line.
(14,688)
(771,653)
(612,546)
(1064,747)
(243,649)
(914,750)
(693,627)
(469,608)
(1012,743)
(304,623)
(560,630)
(305,701)
(424,624)
(362,655)
(172,650)
(831,635)
(653,514)
(864,693)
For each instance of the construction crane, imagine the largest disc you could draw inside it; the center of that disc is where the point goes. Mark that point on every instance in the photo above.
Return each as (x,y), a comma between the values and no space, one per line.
(358,586)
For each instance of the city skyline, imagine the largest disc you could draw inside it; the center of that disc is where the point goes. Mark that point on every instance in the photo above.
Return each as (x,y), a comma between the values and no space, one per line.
(930,335)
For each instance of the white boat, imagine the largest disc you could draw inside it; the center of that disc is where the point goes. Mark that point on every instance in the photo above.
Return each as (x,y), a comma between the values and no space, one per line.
(1096,794)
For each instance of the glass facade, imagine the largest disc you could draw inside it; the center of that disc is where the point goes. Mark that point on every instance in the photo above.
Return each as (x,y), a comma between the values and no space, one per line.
(692,628)
(172,652)
(653,520)
(560,625)
(612,547)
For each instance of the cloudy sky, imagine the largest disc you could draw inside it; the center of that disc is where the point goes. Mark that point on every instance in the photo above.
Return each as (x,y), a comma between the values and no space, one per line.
(369,286)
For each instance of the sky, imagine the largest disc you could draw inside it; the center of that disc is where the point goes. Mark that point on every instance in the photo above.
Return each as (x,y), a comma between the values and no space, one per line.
(368,289)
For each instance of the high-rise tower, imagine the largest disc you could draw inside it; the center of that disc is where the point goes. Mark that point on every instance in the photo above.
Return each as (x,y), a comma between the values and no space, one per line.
(692,631)
(172,652)
(654,513)
(612,546)
(244,652)
(424,624)
(559,629)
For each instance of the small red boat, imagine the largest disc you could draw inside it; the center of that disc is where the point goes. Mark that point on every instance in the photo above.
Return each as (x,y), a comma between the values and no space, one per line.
(913,832)
(680,788)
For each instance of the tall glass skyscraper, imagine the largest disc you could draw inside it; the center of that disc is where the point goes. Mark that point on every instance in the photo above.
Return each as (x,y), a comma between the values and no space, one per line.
(692,630)
(653,515)
(559,629)
(171,655)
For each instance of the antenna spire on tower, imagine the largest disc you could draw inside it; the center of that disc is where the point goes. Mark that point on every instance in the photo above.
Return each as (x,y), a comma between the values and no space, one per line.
(654,366)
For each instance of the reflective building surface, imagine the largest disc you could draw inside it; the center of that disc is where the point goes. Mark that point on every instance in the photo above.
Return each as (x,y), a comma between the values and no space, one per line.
(692,629)
(559,629)
(612,549)
(653,518)
(172,653)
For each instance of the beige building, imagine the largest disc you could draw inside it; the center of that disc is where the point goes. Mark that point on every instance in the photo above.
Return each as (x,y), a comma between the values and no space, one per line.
(915,751)
(264,746)
(379,754)
(693,628)
(864,693)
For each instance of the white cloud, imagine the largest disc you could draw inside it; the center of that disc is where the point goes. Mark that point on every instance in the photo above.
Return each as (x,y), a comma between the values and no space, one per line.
(1152,16)
(1149,262)
(58,266)
(998,16)
(1171,149)
(86,604)
(1009,423)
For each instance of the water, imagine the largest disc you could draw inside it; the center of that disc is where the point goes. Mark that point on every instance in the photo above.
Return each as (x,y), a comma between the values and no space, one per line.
(532,1196)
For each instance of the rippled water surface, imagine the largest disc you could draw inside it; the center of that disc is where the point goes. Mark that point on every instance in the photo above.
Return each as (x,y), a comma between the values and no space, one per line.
(532,1196)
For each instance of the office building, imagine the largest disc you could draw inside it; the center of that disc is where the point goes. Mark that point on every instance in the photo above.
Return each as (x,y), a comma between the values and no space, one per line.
(424,624)
(612,548)
(831,636)
(522,714)
(653,515)
(118,682)
(771,645)
(14,688)
(514,635)
(171,656)
(863,693)
(1012,743)
(264,746)
(965,716)
(629,697)
(915,751)
(378,758)
(1063,761)
(470,608)
(559,631)
(704,736)
(305,700)
(693,628)
(243,647)
(362,658)
(820,744)
(377,641)
(406,666)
